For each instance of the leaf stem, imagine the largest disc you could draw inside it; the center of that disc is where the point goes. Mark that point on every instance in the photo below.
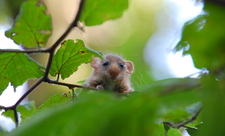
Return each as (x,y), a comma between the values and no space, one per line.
(179,125)
(61,83)
(16,117)
(191,120)
(70,86)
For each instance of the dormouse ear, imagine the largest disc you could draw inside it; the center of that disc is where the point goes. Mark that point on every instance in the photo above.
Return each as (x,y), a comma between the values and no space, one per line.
(95,63)
(129,67)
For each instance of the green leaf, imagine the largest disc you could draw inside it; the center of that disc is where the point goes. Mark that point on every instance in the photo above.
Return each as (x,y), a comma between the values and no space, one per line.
(99,113)
(166,127)
(176,116)
(70,56)
(213,107)
(27,110)
(56,100)
(4,82)
(173,106)
(175,95)
(172,85)
(95,12)
(17,68)
(159,130)
(10,114)
(204,38)
(32,27)
(194,131)
(194,108)
(174,132)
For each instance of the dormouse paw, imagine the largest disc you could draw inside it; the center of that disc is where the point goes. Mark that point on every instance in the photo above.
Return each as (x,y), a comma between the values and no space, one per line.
(99,87)
(85,85)
(127,91)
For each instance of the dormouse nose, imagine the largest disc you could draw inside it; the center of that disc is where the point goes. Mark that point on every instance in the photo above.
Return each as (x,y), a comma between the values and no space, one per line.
(114,71)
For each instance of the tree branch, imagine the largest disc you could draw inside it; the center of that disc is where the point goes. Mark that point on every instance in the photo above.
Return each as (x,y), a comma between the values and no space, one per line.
(73,24)
(191,120)
(179,125)
(70,86)
(51,51)
(6,108)
(16,117)
(63,84)
(56,44)
(29,91)
(24,51)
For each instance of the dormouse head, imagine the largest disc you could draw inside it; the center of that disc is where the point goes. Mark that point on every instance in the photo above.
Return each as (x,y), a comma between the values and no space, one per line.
(112,66)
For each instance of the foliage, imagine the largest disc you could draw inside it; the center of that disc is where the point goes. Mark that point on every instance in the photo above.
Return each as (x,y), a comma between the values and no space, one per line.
(105,113)
(69,57)
(17,68)
(163,108)
(54,101)
(203,38)
(97,12)
(113,116)
(28,30)
(206,52)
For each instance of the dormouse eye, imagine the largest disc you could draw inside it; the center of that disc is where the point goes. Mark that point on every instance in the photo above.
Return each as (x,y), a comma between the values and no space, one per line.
(121,65)
(106,63)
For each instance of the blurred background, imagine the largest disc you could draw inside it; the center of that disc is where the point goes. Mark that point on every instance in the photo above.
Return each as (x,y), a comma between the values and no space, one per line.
(146,34)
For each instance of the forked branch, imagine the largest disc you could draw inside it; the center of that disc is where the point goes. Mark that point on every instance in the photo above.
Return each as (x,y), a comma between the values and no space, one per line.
(45,78)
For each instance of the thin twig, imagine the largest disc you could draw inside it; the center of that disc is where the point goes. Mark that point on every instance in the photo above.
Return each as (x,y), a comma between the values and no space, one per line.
(193,128)
(70,86)
(3,107)
(63,84)
(6,108)
(56,44)
(73,24)
(29,91)
(16,117)
(191,120)
(24,51)
(179,125)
